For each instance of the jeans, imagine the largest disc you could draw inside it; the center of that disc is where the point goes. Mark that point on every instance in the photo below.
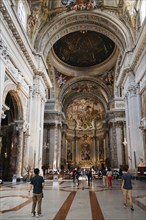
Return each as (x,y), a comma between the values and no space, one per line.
(36,201)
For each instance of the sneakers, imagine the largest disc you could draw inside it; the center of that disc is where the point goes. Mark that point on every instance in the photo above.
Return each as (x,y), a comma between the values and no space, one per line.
(132,209)
(32,215)
(38,215)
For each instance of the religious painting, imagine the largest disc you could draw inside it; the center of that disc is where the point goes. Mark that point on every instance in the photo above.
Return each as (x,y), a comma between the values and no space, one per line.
(85,151)
(84,112)
(101,149)
(85,148)
(69,151)
(61,79)
(81,4)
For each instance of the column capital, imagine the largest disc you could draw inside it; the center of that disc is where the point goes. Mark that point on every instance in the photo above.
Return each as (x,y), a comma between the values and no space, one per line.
(3,49)
(132,90)
(21,125)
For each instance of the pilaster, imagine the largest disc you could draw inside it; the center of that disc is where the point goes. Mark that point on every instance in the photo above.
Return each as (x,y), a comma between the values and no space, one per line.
(55,146)
(116,152)
(37,120)
(3,59)
(63,148)
(133,116)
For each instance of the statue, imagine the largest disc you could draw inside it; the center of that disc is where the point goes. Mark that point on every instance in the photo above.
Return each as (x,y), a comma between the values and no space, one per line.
(131,12)
(141,163)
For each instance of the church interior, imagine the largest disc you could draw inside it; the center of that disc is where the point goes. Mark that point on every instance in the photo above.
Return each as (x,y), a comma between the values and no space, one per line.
(72,85)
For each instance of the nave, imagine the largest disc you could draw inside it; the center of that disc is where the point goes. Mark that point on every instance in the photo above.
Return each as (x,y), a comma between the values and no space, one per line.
(65,200)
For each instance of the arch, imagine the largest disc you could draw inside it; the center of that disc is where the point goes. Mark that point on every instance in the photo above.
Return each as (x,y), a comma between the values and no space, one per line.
(104,23)
(69,92)
(11,89)
(10,130)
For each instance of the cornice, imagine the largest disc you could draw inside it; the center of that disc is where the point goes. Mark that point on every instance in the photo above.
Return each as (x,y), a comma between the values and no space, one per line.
(139,53)
(135,56)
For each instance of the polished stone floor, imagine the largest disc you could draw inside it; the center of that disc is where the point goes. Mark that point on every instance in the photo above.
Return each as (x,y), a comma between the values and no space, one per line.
(64,200)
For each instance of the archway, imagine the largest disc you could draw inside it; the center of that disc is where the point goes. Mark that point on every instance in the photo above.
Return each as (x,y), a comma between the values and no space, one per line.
(84,137)
(10,136)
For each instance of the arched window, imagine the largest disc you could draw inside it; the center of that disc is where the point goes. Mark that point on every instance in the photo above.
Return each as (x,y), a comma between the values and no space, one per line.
(22,13)
(142,11)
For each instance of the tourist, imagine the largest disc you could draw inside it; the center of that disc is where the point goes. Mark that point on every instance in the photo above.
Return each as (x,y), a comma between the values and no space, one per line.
(127,187)
(109,178)
(37,182)
(104,177)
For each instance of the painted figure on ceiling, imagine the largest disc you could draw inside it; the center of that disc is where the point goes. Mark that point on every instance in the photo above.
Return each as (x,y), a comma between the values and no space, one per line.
(61,80)
(68,2)
(81,4)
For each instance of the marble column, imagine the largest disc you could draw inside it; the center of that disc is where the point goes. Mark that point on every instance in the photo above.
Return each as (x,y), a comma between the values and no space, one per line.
(19,163)
(53,118)
(27,133)
(98,152)
(64,149)
(55,146)
(134,135)
(94,149)
(105,152)
(59,147)
(75,144)
(113,145)
(119,139)
(78,152)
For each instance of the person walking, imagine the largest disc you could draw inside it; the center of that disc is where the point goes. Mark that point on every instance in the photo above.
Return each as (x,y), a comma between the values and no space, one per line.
(37,183)
(104,177)
(109,177)
(127,187)
(74,175)
(78,174)
(89,175)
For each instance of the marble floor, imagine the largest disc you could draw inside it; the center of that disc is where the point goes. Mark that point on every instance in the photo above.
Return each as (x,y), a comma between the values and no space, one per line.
(64,200)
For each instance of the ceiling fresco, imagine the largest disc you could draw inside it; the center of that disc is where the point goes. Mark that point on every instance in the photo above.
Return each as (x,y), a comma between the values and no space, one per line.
(84,48)
(83,112)
(82,4)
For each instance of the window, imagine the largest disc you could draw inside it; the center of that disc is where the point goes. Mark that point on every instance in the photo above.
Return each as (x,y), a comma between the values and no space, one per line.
(22,13)
(142,11)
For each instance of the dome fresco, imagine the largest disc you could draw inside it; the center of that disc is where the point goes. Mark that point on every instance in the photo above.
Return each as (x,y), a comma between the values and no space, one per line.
(84,48)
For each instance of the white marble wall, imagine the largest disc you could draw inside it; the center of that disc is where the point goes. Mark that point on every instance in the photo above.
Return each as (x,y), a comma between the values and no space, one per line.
(24,73)
(133,112)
